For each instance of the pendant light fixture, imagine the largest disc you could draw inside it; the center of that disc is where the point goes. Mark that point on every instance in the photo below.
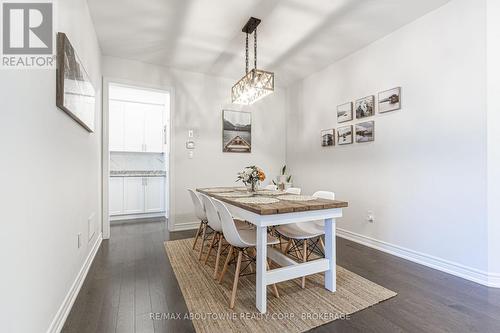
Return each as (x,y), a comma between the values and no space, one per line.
(256,83)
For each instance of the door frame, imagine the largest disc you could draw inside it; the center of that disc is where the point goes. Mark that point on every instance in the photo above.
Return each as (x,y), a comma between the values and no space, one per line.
(106,81)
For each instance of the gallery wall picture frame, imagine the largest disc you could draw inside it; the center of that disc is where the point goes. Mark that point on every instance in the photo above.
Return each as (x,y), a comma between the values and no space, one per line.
(365,107)
(365,131)
(344,112)
(345,135)
(328,137)
(236,131)
(389,100)
(75,93)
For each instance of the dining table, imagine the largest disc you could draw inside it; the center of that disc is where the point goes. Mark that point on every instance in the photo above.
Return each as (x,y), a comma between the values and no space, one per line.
(267,208)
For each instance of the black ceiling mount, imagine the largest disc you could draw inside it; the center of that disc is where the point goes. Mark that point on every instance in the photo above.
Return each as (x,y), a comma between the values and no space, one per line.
(251,25)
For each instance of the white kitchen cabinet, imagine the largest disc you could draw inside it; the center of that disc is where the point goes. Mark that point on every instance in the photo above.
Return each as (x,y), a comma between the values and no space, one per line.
(155,194)
(136,127)
(153,129)
(116,125)
(115,195)
(133,195)
(136,195)
(133,127)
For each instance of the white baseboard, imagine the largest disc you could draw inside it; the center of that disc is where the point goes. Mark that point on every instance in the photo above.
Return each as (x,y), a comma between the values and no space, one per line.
(468,273)
(136,216)
(184,226)
(63,312)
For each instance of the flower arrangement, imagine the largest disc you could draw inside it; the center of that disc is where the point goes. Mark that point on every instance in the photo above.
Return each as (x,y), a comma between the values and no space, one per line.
(251,176)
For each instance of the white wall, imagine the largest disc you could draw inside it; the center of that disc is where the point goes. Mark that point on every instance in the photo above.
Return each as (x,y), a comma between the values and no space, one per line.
(424,177)
(493,60)
(198,102)
(50,184)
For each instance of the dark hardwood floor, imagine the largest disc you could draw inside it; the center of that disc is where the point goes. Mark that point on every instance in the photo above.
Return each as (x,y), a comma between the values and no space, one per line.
(131,277)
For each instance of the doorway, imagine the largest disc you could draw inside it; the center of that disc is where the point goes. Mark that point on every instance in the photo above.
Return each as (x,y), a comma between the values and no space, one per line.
(136,155)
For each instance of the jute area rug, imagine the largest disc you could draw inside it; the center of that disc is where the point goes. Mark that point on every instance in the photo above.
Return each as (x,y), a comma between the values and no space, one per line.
(297,309)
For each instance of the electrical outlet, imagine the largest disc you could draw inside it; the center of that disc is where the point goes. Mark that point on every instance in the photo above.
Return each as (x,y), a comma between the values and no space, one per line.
(79,237)
(370,217)
(190,154)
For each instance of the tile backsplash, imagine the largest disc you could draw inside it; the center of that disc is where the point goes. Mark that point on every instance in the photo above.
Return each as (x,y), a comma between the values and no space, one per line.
(120,161)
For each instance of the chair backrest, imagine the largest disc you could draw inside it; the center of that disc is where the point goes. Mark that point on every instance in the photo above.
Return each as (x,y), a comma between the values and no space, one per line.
(324,195)
(212,215)
(229,229)
(271,187)
(199,209)
(293,190)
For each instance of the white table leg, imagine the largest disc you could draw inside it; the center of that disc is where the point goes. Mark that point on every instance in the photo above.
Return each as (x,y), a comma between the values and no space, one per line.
(331,274)
(261,300)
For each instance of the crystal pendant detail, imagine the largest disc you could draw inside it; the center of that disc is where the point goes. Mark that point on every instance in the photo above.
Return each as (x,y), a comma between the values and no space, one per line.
(256,84)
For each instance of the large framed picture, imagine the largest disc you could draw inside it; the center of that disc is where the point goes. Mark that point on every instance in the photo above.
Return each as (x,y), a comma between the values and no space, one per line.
(75,93)
(328,137)
(365,132)
(389,100)
(236,131)
(344,112)
(365,107)
(344,135)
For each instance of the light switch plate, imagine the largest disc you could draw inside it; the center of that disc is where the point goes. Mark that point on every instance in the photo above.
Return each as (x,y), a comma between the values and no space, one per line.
(190,133)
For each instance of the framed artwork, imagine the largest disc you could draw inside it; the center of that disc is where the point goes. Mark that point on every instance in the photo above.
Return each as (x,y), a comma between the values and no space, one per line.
(236,131)
(75,93)
(344,112)
(365,107)
(365,132)
(344,135)
(328,137)
(389,100)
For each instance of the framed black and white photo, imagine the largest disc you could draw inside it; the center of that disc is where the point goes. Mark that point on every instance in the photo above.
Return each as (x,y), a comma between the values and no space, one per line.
(389,100)
(344,135)
(365,132)
(328,137)
(75,93)
(344,112)
(365,107)
(236,131)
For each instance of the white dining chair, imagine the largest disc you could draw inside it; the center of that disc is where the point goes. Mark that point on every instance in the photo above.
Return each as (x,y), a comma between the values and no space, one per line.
(304,231)
(271,187)
(214,222)
(199,211)
(240,240)
(293,190)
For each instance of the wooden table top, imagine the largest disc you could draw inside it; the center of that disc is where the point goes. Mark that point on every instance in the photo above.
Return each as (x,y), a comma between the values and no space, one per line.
(281,207)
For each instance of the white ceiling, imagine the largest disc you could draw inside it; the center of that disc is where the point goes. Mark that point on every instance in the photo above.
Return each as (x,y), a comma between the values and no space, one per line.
(295,38)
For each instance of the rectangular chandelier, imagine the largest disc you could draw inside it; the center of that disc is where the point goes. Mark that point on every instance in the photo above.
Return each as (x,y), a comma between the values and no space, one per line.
(256,84)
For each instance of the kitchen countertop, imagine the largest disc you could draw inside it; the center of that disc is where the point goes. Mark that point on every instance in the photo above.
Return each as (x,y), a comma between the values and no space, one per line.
(137,173)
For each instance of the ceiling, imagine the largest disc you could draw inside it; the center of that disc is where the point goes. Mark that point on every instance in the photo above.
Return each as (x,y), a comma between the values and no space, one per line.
(295,38)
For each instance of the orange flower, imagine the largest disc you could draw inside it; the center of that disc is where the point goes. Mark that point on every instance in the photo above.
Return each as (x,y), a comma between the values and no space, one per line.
(262,175)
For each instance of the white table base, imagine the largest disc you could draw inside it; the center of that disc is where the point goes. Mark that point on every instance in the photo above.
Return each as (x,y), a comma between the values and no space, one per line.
(290,269)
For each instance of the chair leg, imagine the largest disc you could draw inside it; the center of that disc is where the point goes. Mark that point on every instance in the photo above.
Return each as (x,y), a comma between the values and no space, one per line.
(254,254)
(275,288)
(211,247)
(236,277)
(322,244)
(217,258)
(226,263)
(203,235)
(197,234)
(295,247)
(304,259)
(288,244)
